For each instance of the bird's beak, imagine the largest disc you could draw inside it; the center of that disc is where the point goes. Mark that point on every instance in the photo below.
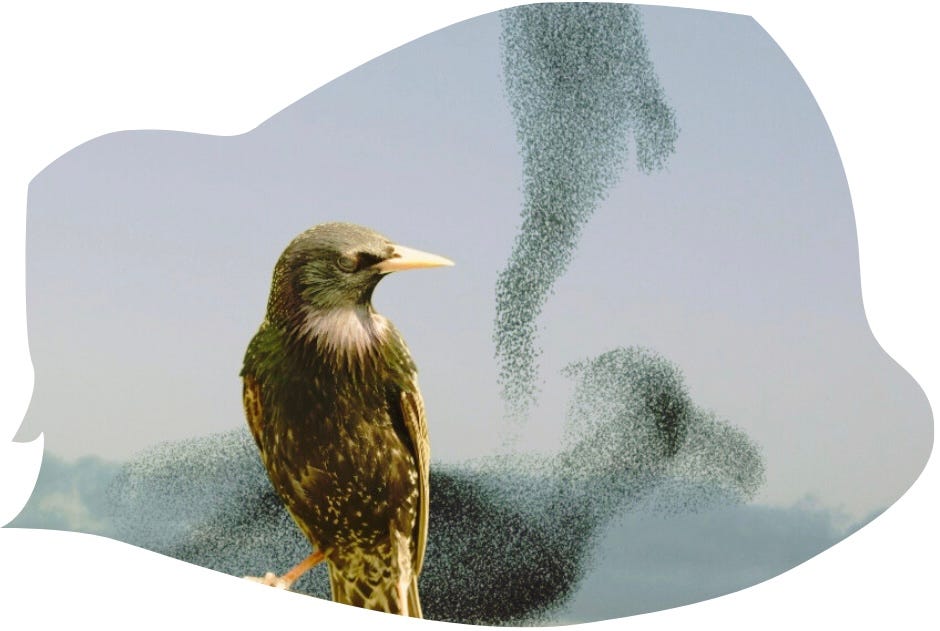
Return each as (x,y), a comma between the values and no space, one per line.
(403,258)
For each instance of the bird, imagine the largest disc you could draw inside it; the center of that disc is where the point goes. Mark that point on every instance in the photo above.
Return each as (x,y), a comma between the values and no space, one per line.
(331,397)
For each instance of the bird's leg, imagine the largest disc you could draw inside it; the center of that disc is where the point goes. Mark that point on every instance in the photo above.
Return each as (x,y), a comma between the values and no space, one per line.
(286,580)
(303,567)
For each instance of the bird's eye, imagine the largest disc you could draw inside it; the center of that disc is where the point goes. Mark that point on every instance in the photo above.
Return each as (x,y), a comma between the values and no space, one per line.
(347,262)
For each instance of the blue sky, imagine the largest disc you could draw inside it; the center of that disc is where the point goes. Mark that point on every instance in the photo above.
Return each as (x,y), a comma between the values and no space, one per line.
(738,262)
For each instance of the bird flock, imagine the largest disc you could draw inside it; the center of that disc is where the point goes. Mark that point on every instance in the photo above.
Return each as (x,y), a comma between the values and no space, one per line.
(580,85)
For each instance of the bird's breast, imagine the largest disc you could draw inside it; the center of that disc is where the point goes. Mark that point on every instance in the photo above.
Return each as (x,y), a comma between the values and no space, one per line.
(334,454)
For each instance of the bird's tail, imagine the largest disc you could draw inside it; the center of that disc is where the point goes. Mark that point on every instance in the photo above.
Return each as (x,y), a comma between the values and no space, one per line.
(378,595)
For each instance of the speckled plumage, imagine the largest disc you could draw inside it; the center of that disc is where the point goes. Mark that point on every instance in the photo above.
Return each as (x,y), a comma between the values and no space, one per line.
(332,400)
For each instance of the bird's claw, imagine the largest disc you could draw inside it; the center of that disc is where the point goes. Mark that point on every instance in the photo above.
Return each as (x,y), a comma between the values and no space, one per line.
(270,579)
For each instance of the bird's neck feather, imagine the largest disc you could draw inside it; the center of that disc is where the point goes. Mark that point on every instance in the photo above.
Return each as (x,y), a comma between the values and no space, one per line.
(343,332)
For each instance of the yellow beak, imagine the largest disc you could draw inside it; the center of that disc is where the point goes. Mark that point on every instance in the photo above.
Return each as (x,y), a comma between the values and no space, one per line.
(403,258)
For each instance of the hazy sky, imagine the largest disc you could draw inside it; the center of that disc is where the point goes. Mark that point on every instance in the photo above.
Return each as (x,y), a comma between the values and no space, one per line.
(149,256)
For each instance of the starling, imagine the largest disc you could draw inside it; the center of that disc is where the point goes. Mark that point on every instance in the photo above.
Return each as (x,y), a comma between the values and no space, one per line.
(332,400)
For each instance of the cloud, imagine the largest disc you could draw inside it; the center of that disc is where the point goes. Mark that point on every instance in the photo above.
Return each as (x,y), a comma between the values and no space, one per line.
(648,562)
(69,496)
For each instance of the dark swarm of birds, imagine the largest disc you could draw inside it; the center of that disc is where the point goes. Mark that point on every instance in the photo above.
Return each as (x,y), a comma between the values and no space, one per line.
(580,84)
(510,538)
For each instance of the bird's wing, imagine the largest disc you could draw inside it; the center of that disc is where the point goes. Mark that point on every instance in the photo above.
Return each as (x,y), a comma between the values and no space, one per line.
(412,407)
(251,399)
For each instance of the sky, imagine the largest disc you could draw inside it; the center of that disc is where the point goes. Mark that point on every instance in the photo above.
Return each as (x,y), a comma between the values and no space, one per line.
(149,256)
(903,228)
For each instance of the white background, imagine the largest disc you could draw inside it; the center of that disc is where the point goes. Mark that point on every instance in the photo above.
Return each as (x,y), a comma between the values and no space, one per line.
(71,72)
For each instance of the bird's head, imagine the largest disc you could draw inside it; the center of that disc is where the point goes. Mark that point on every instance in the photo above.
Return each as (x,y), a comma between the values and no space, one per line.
(336,266)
